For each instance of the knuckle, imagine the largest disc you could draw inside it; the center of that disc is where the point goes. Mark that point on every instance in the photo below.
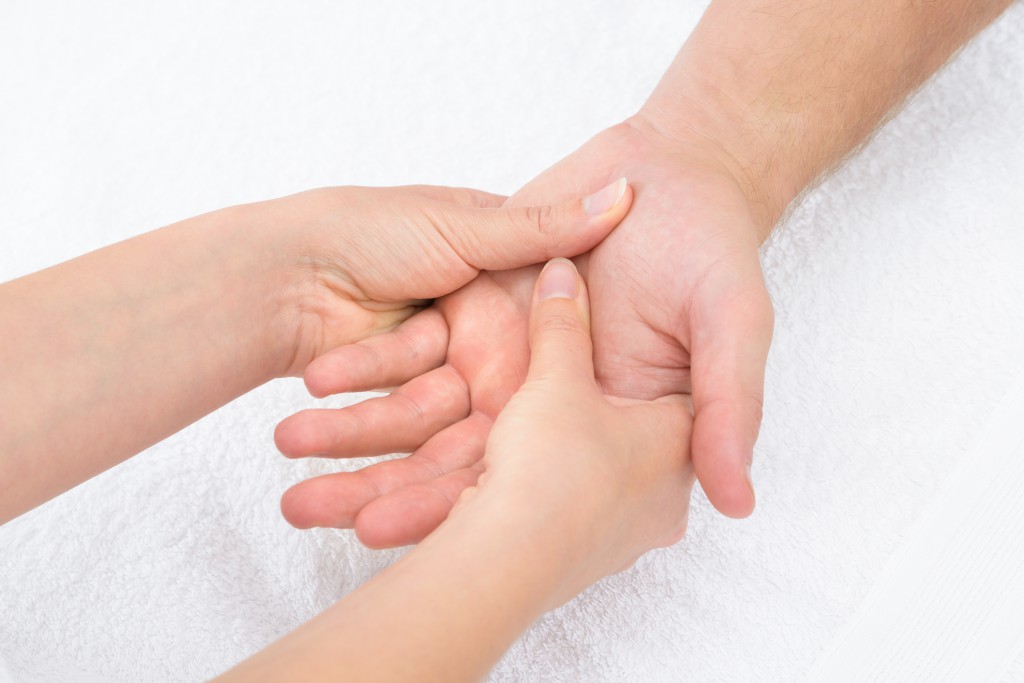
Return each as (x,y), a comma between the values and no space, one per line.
(541,219)
(750,404)
(746,405)
(559,322)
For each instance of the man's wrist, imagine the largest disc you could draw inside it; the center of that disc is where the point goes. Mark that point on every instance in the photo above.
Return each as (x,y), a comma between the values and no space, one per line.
(706,122)
(707,98)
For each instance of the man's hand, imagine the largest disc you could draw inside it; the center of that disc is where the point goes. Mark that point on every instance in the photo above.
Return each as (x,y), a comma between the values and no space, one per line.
(678,296)
(577,486)
(460,361)
(762,100)
(702,329)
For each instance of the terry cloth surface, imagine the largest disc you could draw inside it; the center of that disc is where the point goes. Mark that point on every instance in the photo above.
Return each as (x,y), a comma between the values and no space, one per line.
(898,283)
(950,604)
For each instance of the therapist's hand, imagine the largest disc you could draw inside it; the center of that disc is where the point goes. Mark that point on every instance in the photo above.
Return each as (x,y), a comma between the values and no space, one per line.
(368,258)
(154,332)
(577,486)
(611,477)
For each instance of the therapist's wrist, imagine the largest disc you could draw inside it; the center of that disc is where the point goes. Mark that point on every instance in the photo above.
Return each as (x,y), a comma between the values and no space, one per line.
(549,547)
(265,243)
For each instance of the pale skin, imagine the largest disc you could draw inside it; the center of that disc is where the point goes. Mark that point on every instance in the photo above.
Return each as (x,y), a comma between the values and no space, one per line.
(723,146)
(765,97)
(577,485)
(113,351)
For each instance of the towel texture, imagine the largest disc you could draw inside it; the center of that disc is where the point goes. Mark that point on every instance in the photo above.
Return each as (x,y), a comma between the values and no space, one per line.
(950,604)
(899,287)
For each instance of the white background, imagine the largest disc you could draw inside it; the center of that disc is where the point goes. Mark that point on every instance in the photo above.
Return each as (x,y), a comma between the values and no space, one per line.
(898,286)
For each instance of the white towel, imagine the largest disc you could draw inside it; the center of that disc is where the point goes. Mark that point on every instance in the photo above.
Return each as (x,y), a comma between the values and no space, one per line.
(950,604)
(898,284)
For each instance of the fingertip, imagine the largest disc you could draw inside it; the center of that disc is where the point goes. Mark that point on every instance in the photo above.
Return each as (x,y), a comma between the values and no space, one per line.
(374,537)
(297,436)
(736,500)
(326,375)
(731,494)
(608,200)
(560,324)
(601,213)
(317,381)
(561,304)
(312,503)
(561,279)
(753,491)
(724,476)
(558,280)
(331,501)
(295,509)
(282,437)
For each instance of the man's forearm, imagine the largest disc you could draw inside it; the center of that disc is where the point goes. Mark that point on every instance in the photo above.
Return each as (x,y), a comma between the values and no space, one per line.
(788,88)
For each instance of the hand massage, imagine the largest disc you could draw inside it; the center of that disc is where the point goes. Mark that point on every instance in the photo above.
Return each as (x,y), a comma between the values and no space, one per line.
(557,368)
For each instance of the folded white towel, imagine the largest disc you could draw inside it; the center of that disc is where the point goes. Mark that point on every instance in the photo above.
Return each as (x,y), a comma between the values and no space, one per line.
(898,285)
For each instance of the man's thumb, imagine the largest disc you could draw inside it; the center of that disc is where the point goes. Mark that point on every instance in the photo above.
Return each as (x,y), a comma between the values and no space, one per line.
(560,325)
(500,239)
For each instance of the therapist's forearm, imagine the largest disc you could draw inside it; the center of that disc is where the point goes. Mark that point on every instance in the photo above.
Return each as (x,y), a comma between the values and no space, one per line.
(786,89)
(447,611)
(111,352)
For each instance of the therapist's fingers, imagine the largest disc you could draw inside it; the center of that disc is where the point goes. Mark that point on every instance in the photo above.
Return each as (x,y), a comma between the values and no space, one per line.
(504,238)
(560,345)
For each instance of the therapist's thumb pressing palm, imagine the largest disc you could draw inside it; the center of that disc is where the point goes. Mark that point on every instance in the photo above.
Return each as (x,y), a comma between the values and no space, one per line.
(615,471)
(560,346)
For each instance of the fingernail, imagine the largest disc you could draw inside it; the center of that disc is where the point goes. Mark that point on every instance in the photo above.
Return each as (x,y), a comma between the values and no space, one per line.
(558,280)
(604,200)
(750,481)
